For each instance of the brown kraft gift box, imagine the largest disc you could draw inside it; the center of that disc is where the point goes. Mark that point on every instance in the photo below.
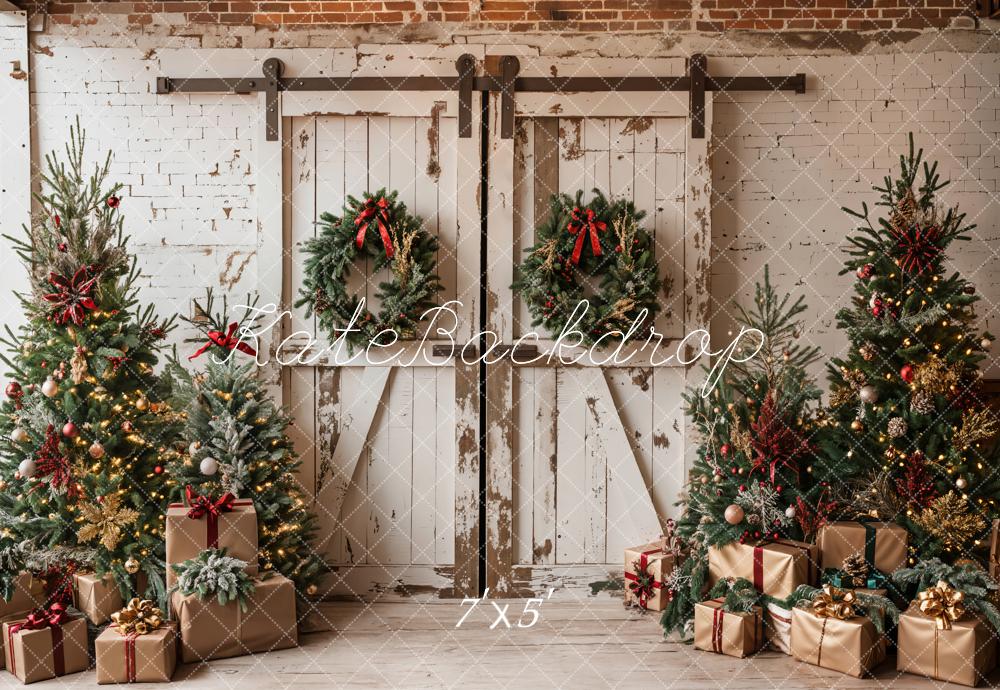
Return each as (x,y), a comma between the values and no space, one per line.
(725,632)
(29,594)
(851,646)
(994,564)
(34,655)
(149,658)
(98,597)
(235,531)
(775,568)
(651,559)
(210,630)
(965,654)
(881,544)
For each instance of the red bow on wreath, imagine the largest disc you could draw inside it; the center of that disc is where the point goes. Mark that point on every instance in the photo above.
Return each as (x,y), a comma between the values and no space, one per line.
(582,227)
(227,341)
(379,212)
(918,246)
(72,296)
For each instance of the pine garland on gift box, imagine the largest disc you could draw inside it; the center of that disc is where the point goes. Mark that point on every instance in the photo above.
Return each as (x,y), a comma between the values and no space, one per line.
(969,578)
(235,439)
(874,606)
(85,428)
(904,401)
(213,573)
(757,473)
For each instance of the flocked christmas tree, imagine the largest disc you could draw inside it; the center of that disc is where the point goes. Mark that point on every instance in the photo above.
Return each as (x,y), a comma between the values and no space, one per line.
(904,400)
(237,443)
(758,473)
(84,430)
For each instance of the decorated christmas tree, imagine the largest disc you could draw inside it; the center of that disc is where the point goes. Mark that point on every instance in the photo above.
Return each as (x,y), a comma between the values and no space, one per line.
(904,400)
(757,474)
(84,429)
(236,443)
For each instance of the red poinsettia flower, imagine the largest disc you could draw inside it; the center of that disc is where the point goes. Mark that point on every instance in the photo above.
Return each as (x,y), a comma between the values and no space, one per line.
(73,296)
(917,247)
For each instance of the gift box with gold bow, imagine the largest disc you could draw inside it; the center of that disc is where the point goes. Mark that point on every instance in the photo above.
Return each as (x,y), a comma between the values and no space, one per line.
(775,568)
(140,646)
(206,522)
(45,644)
(210,630)
(938,638)
(646,567)
(727,632)
(98,597)
(831,633)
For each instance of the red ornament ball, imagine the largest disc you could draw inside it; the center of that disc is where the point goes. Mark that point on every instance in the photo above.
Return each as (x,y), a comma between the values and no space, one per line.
(907,373)
(157,470)
(724,449)
(69,430)
(113,201)
(14,390)
(865,272)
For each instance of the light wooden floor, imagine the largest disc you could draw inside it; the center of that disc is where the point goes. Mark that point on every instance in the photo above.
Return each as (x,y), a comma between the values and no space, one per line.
(590,643)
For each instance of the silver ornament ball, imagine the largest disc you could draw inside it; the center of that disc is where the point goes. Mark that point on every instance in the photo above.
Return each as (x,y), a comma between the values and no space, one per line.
(868,394)
(209,466)
(790,512)
(18,435)
(27,467)
(961,482)
(50,388)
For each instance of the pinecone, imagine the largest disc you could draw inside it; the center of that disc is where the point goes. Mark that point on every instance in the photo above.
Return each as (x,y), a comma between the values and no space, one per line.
(868,351)
(922,402)
(896,427)
(856,568)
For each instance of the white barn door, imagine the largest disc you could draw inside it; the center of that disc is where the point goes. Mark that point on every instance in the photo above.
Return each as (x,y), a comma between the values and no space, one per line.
(583,461)
(387,449)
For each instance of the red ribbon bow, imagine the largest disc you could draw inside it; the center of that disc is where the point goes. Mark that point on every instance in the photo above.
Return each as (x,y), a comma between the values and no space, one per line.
(204,506)
(644,592)
(53,616)
(582,227)
(227,341)
(379,211)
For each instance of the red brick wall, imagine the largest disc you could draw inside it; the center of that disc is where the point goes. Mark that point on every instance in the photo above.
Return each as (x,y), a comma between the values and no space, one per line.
(536,15)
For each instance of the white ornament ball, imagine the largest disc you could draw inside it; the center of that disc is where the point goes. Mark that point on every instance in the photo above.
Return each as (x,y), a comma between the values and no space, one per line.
(96,450)
(193,448)
(50,388)
(986,343)
(18,435)
(961,482)
(868,394)
(209,466)
(790,512)
(734,514)
(27,467)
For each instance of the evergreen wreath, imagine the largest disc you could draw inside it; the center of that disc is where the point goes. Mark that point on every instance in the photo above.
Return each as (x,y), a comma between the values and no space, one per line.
(377,226)
(602,239)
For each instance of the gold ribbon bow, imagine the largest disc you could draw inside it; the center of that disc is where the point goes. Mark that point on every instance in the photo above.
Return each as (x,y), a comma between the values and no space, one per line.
(942,602)
(139,617)
(833,602)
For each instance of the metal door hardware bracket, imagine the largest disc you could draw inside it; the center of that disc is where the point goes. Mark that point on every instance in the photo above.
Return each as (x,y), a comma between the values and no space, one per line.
(508,84)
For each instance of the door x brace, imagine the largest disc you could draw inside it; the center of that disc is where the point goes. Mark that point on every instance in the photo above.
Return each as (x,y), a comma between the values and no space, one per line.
(507,84)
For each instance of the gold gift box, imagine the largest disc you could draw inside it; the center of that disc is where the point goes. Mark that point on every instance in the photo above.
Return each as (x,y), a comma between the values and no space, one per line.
(965,654)
(658,565)
(775,567)
(725,632)
(851,646)
(210,630)
(839,540)
(187,537)
(149,658)
(32,655)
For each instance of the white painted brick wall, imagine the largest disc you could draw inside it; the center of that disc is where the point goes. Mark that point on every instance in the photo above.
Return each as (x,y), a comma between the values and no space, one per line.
(783,164)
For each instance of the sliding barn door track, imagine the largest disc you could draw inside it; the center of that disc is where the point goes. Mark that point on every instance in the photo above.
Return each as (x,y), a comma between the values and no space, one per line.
(508,84)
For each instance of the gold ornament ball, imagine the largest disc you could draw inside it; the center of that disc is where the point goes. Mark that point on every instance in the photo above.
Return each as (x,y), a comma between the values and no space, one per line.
(704,479)
(961,482)
(856,425)
(734,514)
(96,450)
(131,566)
(141,403)
(311,590)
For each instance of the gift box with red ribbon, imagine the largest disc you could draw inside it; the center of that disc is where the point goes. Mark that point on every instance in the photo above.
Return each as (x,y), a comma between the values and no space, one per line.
(45,644)
(204,522)
(646,567)
(136,658)
(775,567)
(734,633)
